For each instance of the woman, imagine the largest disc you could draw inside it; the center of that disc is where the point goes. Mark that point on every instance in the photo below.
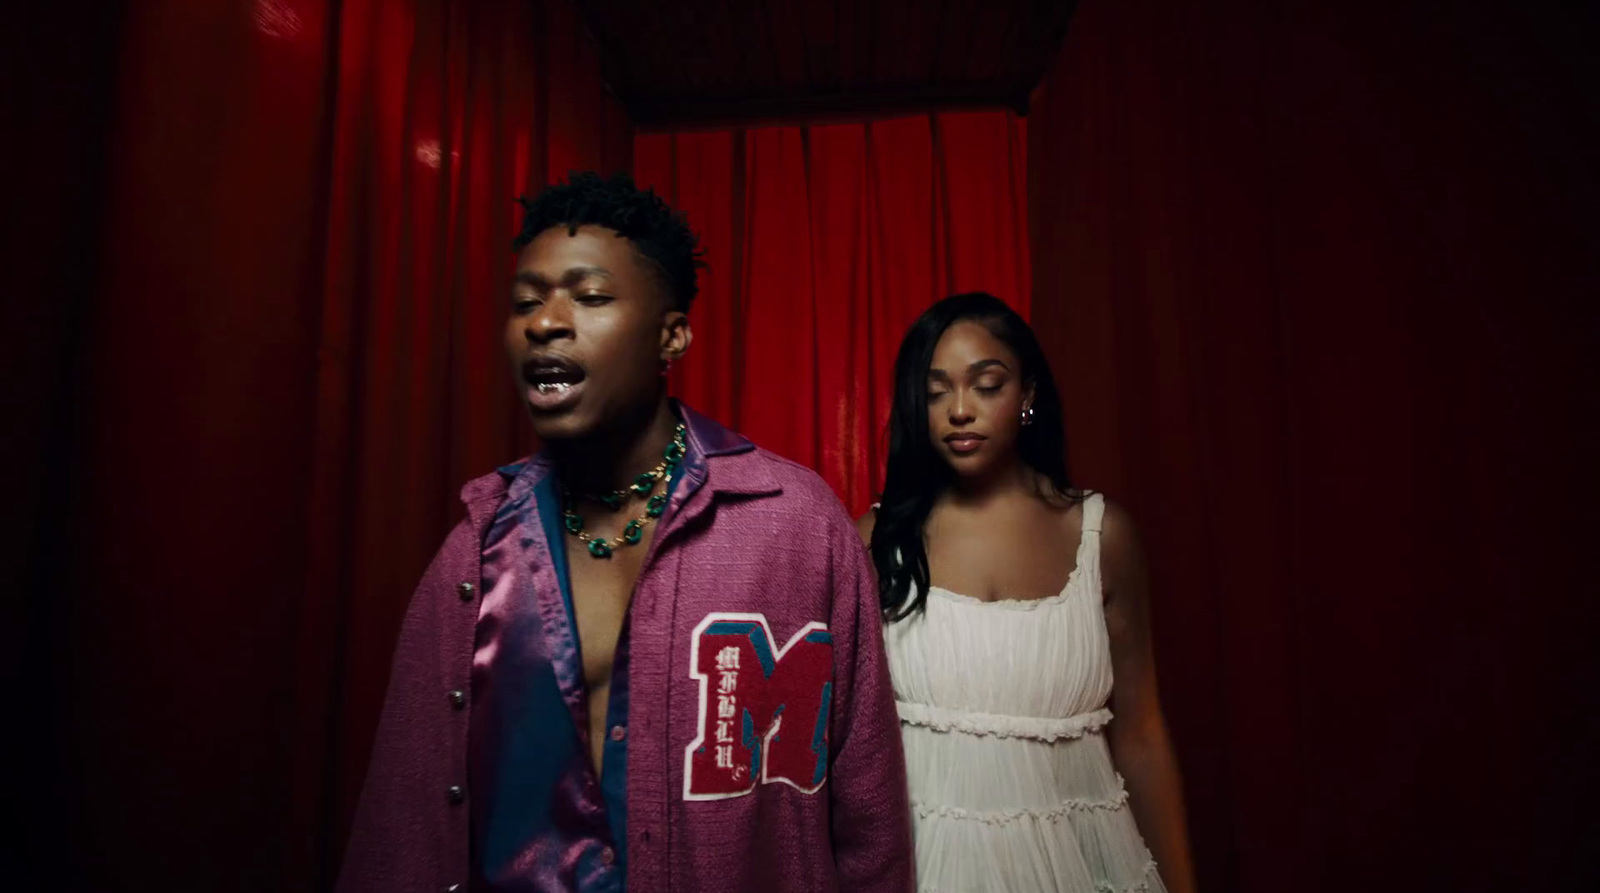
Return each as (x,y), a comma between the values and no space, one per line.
(1006,644)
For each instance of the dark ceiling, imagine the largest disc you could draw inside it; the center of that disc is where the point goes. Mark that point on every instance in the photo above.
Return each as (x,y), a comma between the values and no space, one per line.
(708,62)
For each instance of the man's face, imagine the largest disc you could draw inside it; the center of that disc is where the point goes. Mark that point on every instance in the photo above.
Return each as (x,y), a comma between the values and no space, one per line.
(589,333)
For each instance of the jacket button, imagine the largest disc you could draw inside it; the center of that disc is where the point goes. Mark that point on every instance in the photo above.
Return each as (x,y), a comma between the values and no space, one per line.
(458,699)
(618,733)
(455,794)
(608,856)
(465,589)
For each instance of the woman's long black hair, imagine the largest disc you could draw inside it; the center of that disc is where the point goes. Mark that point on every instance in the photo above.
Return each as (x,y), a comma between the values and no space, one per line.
(917,474)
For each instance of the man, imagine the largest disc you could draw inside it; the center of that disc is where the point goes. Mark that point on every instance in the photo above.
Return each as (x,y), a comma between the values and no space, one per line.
(650,658)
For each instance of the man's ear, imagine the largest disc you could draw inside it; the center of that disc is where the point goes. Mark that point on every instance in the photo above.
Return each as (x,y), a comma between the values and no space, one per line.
(676,336)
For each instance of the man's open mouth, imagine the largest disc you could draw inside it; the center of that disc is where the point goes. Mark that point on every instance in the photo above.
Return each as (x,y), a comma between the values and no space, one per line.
(551,380)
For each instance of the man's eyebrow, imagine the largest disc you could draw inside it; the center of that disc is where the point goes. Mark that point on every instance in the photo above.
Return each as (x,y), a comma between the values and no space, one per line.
(572,276)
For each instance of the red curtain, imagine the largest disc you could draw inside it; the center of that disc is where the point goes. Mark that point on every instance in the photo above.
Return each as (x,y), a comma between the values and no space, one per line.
(824,243)
(1319,283)
(290,363)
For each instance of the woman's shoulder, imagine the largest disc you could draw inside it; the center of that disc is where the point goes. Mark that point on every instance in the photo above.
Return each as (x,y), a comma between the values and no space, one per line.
(1121,546)
(866,523)
(1083,511)
(1115,522)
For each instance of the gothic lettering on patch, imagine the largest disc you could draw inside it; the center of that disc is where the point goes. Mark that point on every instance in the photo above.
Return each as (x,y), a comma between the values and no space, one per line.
(763,710)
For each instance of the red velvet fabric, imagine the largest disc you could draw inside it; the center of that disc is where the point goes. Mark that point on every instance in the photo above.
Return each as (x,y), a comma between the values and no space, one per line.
(1318,282)
(825,242)
(290,364)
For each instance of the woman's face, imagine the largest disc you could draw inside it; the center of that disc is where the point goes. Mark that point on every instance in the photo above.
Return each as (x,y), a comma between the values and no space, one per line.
(976,399)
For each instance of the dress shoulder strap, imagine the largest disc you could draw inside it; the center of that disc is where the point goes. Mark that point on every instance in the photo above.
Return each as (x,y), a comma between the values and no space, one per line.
(1094,512)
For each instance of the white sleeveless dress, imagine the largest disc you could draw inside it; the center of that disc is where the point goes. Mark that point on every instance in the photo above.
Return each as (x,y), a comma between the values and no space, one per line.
(1003,711)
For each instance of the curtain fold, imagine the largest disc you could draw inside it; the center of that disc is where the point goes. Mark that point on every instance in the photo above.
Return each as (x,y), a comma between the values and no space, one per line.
(824,243)
(1318,284)
(292,363)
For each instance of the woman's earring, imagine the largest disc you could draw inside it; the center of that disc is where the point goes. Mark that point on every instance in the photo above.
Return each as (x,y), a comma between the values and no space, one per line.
(1027,415)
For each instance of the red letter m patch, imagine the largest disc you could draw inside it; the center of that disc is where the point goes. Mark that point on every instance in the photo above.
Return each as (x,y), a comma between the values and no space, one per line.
(763,714)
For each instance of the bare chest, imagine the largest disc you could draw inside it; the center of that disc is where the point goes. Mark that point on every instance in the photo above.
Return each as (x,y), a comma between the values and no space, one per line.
(602,590)
(1002,554)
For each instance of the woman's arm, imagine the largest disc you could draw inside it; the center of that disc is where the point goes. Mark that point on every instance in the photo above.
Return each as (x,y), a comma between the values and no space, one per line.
(1140,746)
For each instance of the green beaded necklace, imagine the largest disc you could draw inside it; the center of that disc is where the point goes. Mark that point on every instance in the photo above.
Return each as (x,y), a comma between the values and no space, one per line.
(643,486)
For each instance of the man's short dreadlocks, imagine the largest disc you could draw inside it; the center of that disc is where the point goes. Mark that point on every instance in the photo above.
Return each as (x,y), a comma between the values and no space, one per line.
(639,215)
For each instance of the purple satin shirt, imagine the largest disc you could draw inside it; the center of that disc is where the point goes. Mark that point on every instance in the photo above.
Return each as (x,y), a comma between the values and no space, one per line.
(755,647)
(542,821)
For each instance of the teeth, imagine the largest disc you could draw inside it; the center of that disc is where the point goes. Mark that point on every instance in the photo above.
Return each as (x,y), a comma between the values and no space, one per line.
(546,387)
